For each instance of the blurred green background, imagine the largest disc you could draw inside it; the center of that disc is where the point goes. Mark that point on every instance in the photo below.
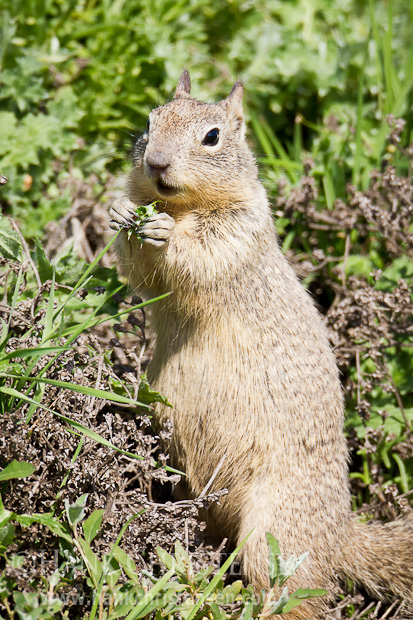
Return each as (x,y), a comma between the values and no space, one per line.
(78,78)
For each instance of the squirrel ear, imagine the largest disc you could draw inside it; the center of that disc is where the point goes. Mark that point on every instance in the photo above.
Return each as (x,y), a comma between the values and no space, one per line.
(233,105)
(183,90)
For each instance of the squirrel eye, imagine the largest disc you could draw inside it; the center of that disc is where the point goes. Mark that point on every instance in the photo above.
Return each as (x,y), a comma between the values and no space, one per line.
(148,124)
(212,137)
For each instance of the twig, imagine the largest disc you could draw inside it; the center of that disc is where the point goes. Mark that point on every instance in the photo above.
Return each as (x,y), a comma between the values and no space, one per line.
(212,478)
(358,614)
(345,258)
(398,610)
(397,395)
(4,300)
(358,374)
(186,536)
(27,252)
(8,608)
(97,384)
(219,550)
(392,606)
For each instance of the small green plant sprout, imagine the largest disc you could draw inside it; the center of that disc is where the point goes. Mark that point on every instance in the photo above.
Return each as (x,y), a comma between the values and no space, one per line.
(142,213)
(280,571)
(16,469)
(10,244)
(145,211)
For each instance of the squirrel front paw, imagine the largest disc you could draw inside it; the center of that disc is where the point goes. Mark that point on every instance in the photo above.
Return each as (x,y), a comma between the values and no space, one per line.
(122,214)
(157,229)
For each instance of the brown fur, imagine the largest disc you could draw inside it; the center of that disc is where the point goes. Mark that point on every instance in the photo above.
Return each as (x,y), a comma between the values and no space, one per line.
(244,357)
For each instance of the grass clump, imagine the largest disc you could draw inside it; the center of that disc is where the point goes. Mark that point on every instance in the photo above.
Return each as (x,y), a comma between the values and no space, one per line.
(112,586)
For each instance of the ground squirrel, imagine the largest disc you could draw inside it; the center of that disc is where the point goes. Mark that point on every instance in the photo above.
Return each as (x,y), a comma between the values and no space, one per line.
(244,357)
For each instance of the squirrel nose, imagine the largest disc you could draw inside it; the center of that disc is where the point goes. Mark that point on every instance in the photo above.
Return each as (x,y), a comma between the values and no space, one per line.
(157,161)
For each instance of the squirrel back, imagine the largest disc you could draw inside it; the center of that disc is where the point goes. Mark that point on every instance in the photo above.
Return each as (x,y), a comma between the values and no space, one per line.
(244,357)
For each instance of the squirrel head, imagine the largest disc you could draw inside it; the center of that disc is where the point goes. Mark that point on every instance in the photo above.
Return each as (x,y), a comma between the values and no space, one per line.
(194,153)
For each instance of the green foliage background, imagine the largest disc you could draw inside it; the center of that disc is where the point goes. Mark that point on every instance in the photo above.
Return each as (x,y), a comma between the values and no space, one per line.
(78,77)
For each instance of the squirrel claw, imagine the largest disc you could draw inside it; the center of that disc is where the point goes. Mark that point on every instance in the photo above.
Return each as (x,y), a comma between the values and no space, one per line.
(157,229)
(122,214)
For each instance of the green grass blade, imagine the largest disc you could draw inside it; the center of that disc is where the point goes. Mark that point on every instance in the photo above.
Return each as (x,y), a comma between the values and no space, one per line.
(37,397)
(378,47)
(139,610)
(359,121)
(73,330)
(4,333)
(328,189)
(400,105)
(76,425)
(34,352)
(85,276)
(6,327)
(66,301)
(276,162)
(263,139)
(78,330)
(272,146)
(79,427)
(279,149)
(82,389)
(390,73)
(213,583)
(112,551)
(48,320)
(404,480)
(16,293)
(298,139)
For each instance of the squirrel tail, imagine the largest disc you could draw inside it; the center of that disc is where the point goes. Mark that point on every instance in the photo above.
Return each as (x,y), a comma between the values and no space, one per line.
(380,556)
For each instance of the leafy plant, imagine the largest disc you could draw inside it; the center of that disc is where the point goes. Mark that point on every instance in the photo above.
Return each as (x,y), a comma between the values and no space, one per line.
(142,213)
(17,365)
(117,589)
